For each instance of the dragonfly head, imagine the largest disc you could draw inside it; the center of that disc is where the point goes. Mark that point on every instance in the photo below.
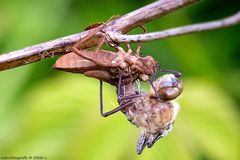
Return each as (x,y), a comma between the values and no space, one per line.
(168,87)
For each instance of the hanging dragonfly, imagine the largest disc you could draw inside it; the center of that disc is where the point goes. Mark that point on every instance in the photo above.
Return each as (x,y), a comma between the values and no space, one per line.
(153,112)
(155,117)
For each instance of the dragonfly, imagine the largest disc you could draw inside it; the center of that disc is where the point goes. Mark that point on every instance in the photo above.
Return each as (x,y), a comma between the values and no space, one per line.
(154,112)
(155,117)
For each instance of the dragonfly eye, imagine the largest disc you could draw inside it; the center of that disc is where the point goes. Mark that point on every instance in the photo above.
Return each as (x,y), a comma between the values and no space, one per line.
(168,87)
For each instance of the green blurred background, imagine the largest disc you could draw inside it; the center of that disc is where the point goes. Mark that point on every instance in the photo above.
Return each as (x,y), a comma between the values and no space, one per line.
(44,112)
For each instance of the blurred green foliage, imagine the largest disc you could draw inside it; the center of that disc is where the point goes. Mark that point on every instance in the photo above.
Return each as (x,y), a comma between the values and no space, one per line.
(55,114)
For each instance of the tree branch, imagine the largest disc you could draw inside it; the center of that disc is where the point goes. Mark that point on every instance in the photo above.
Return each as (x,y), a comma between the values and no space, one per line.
(147,14)
(226,22)
(63,45)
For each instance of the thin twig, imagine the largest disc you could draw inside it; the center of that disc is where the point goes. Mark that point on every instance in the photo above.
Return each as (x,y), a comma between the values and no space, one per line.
(63,45)
(226,22)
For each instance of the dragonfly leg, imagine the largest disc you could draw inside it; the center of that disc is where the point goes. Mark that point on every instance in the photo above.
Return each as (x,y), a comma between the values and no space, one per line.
(155,73)
(176,73)
(79,53)
(136,95)
(138,50)
(158,98)
(101,41)
(101,97)
(129,49)
(124,101)
(121,106)
(119,86)
(121,97)
(96,61)
(91,33)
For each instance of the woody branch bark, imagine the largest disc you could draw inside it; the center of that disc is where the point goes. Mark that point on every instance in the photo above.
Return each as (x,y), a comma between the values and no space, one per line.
(63,45)
(226,22)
